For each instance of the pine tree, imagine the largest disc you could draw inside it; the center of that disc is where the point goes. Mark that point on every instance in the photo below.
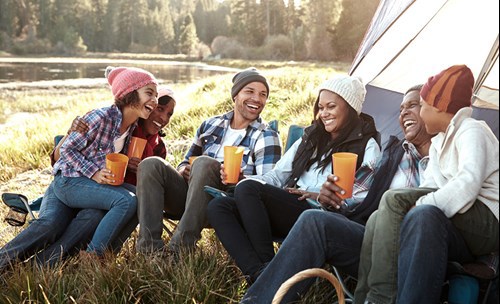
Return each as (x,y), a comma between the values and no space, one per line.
(188,39)
(353,23)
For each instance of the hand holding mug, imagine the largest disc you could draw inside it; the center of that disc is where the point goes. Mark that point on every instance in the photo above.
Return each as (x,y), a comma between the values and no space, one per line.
(328,197)
(185,172)
(223,175)
(133,164)
(104,176)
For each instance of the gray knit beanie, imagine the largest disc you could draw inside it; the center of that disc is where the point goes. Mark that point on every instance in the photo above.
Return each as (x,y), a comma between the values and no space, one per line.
(350,88)
(241,79)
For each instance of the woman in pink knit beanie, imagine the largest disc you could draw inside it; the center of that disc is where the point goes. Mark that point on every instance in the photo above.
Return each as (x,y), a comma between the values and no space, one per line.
(81,178)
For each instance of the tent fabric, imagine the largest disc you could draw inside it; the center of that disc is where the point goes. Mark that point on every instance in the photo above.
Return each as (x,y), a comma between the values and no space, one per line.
(383,105)
(410,40)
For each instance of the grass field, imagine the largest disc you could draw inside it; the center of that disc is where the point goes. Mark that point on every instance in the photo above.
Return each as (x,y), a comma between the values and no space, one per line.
(29,119)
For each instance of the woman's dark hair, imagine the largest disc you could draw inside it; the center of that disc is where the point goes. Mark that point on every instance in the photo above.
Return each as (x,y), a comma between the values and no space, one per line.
(320,143)
(165,100)
(131,98)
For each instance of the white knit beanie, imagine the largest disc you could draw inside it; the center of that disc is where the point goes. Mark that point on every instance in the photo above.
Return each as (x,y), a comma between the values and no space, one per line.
(350,88)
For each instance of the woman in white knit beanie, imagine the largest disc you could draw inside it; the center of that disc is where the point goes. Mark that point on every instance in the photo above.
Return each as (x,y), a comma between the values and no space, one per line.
(266,207)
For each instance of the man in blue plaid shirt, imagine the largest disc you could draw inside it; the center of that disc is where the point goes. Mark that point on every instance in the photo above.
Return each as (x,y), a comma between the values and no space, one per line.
(179,193)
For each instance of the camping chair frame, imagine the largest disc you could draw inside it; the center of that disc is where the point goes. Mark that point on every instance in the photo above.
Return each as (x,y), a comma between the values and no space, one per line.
(19,203)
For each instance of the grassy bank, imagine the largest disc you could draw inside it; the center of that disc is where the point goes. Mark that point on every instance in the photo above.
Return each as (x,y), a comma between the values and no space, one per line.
(29,121)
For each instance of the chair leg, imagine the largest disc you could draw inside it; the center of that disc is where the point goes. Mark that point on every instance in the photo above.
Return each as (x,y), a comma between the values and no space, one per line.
(170,233)
(349,297)
(168,230)
(30,212)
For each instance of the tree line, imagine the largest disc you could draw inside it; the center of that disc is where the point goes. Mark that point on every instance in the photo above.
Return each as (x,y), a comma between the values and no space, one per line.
(246,29)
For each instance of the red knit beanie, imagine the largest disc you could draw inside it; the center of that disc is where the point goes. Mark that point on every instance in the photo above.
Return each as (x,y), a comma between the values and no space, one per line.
(164,95)
(124,80)
(450,90)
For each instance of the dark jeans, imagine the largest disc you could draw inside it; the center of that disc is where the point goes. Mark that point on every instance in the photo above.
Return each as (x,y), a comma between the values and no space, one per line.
(76,237)
(317,238)
(469,233)
(429,240)
(248,223)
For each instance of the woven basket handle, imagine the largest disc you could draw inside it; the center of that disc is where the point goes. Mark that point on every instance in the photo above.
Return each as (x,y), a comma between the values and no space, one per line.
(309,273)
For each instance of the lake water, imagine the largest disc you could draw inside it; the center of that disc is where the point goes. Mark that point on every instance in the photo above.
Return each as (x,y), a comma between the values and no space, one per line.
(29,72)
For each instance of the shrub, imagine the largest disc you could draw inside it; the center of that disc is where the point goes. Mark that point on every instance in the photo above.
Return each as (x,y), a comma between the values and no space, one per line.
(278,47)
(203,51)
(30,46)
(228,47)
(141,48)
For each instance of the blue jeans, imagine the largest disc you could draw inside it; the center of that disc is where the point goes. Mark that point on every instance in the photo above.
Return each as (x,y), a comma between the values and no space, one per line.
(473,232)
(76,237)
(83,192)
(318,237)
(79,233)
(429,240)
(54,217)
(378,270)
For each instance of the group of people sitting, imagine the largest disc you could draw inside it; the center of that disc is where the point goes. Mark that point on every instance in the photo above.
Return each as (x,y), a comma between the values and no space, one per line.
(417,203)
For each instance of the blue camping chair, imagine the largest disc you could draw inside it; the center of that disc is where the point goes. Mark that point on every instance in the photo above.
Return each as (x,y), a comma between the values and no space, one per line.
(472,283)
(19,204)
(19,208)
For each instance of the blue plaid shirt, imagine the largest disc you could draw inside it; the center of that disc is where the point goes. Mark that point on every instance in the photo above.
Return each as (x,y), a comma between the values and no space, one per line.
(411,166)
(85,154)
(262,145)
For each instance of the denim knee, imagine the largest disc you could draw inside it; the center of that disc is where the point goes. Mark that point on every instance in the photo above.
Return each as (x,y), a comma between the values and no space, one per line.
(422,219)
(130,205)
(318,217)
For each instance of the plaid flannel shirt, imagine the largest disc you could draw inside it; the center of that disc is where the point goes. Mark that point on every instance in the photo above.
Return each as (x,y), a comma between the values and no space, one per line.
(262,145)
(85,154)
(408,175)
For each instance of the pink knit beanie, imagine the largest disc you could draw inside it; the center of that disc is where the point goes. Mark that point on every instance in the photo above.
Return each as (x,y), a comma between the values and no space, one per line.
(124,80)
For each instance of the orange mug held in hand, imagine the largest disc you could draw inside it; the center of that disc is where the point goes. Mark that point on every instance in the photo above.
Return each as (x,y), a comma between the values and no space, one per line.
(117,163)
(191,159)
(136,147)
(232,163)
(344,167)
